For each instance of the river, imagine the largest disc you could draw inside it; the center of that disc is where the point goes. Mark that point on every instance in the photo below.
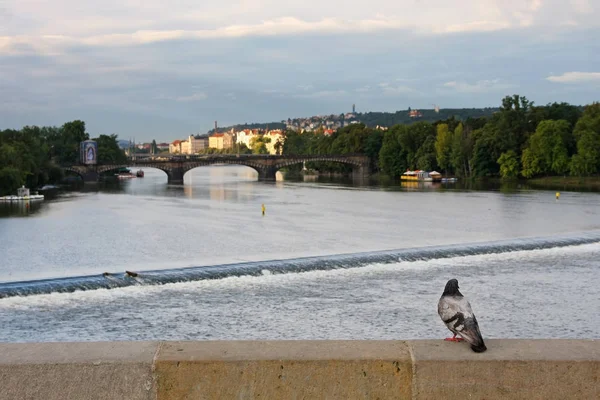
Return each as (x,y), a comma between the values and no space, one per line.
(529,263)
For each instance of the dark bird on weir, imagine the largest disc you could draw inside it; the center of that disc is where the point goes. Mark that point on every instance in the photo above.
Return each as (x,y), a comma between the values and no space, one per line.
(456,312)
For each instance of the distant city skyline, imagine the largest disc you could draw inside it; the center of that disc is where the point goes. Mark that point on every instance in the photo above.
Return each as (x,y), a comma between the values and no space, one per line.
(163,71)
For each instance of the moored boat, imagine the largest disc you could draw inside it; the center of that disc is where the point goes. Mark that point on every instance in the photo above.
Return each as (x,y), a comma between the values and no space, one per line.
(421,176)
(124,173)
(140,174)
(22,195)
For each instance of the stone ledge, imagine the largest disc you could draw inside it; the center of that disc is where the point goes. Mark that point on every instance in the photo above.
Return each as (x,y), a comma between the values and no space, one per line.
(420,369)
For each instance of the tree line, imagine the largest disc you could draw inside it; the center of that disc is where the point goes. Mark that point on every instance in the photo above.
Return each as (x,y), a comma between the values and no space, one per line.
(33,155)
(520,139)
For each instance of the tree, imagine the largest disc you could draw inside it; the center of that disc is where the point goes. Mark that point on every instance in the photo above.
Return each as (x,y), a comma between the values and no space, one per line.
(512,123)
(462,148)
(486,152)
(443,146)
(548,149)
(278,146)
(392,159)
(72,134)
(587,160)
(587,134)
(109,151)
(425,157)
(412,138)
(154,147)
(259,145)
(11,178)
(509,165)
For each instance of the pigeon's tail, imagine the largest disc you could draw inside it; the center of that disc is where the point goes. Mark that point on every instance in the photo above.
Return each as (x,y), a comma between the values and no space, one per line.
(473,336)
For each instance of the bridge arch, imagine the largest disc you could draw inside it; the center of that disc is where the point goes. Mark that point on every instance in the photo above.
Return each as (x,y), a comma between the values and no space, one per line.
(108,168)
(194,165)
(75,171)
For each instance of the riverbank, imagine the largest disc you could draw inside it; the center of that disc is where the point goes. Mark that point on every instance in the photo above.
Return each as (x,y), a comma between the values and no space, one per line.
(567,182)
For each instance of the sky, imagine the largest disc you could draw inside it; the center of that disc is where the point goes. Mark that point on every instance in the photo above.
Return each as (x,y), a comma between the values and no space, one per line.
(162,70)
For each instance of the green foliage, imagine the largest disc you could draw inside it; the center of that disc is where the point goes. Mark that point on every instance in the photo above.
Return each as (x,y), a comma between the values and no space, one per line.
(509,165)
(259,144)
(547,151)
(462,148)
(10,179)
(443,146)
(32,156)
(587,133)
(392,158)
(109,151)
(411,140)
(486,152)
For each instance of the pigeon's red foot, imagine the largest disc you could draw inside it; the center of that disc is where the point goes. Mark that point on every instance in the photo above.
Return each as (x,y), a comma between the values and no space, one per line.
(454,339)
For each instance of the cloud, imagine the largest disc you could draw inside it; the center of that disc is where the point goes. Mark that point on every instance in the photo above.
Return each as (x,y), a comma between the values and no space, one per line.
(322,94)
(575,77)
(481,86)
(50,28)
(137,61)
(393,90)
(199,96)
(193,97)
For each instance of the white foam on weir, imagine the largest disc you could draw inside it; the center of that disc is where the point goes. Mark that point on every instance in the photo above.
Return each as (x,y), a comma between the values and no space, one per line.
(139,293)
(338,261)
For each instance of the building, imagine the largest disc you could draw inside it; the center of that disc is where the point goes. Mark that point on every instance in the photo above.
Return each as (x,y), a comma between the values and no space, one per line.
(197,143)
(162,146)
(221,141)
(246,135)
(415,114)
(175,147)
(194,144)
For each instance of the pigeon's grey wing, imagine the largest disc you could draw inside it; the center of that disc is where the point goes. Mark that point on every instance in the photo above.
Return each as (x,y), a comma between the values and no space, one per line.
(470,332)
(453,311)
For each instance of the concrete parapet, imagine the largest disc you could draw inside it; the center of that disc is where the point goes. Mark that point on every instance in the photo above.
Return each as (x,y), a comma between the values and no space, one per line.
(421,369)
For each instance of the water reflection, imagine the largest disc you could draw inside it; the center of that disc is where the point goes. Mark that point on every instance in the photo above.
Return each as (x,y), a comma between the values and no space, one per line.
(21,208)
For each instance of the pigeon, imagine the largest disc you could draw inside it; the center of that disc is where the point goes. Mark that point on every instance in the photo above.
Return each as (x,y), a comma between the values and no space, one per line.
(456,312)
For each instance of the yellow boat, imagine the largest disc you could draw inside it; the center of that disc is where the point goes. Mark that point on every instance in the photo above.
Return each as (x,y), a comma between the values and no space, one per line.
(421,176)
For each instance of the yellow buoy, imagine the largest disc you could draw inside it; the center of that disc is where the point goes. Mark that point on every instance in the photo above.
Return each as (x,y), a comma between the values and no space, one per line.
(557,195)
(263,209)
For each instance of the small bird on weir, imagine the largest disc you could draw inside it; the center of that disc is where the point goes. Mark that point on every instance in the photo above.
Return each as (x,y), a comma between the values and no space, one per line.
(456,312)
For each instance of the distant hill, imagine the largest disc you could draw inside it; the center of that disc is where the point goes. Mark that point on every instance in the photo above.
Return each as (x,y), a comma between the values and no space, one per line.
(373,119)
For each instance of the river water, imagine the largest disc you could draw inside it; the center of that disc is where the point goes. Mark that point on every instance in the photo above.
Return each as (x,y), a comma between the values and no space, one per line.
(528,263)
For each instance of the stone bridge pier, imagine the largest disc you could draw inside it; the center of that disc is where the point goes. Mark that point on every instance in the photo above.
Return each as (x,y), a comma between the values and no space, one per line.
(175,175)
(267,174)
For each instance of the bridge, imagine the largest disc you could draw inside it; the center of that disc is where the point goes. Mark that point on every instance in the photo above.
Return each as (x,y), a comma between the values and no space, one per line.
(176,165)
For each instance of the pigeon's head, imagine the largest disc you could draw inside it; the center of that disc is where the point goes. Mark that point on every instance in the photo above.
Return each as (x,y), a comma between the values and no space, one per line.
(451,288)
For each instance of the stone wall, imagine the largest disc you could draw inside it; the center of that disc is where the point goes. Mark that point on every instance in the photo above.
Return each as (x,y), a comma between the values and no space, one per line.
(420,369)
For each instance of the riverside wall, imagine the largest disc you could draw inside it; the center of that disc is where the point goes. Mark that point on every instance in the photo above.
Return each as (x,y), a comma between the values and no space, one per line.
(418,369)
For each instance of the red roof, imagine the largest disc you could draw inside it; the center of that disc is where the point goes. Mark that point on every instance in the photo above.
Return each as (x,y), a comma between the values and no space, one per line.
(217,135)
(175,143)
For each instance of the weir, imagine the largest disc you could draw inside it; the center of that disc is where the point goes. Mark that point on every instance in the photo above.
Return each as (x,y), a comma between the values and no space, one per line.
(257,268)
